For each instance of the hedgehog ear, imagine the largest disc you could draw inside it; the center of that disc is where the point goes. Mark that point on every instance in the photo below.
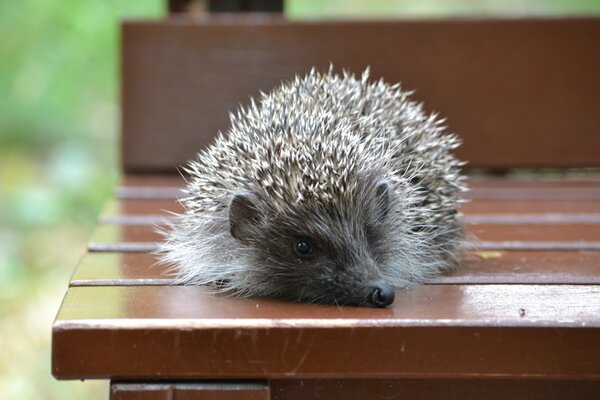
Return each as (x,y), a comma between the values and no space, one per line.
(243,213)
(382,195)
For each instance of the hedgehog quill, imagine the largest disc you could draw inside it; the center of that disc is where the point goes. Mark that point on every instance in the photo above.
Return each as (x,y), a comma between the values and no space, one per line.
(330,189)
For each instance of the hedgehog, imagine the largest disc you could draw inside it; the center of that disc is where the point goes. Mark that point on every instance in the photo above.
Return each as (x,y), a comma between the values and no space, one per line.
(330,189)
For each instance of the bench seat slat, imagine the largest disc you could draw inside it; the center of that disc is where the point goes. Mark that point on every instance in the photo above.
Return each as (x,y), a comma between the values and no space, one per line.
(477,267)
(147,187)
(568,233)
(475,182)
(430,331)
(165,207)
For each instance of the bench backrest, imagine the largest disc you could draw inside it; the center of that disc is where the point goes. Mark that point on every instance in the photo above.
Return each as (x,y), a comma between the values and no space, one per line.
(520,92)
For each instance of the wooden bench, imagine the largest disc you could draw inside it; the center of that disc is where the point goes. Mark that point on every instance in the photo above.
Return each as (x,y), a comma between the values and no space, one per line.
(519,319)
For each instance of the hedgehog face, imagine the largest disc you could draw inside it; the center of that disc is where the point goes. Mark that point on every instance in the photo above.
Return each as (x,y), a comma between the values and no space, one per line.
(317,253)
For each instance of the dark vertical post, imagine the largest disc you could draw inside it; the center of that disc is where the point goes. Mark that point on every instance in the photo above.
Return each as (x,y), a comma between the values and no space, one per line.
(235,6)
(275,6)
(178,6)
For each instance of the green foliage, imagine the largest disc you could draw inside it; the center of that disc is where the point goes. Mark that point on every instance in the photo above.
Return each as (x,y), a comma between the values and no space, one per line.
(58,146)
(301,9)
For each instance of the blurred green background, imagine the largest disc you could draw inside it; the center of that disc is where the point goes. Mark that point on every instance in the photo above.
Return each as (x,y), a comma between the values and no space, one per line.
(59,150)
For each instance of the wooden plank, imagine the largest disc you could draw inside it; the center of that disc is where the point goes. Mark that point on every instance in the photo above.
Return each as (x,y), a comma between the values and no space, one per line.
(139,212)
(547,190)
(119,208)
(132,192)
(499,189)
(190,391)
(532,245)
(434,331)
(586,210)
(141,391)
(483,236)
(110,269)
(125,234)
(516,219)
(380,389)
(153,186)
(477,267)
(534,232)
(433,389)
(540,180)
(525,267)
(183,76)
(533,181)
(152,180)
(157,212)
(490,219)
(534,207)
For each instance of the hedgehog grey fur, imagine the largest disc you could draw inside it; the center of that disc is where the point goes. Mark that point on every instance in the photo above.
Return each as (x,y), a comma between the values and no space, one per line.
(353,168)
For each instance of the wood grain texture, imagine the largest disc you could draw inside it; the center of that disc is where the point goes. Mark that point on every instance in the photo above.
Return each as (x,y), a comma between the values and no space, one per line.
(430,331)
(476,267)
(490,78)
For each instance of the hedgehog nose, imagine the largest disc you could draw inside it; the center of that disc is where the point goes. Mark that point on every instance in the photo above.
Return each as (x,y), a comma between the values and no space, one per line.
(382,294)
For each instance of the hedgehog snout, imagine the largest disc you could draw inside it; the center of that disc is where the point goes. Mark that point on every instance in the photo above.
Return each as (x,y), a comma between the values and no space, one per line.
(381,294)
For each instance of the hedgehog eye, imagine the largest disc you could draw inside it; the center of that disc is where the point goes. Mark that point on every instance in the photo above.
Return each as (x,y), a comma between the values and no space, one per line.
(303,247)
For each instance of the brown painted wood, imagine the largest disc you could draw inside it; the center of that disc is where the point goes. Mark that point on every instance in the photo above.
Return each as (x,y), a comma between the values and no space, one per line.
(430,331)
(531,207)
(190,391)
(121,233)
(380,389)
(106,236)
(432,389)
(128,207)
(528,233)
(533,193)
(477,267)
(534,182)
(525,267)
(490,219)
(490,78)
(151,187)
(152,180)
(535,232)
(109,269)
(160,212)
(532,245)
(150,193)
(141,391)
(121,208)
(493,189)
